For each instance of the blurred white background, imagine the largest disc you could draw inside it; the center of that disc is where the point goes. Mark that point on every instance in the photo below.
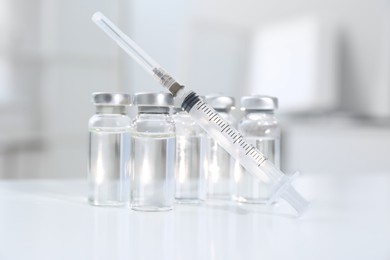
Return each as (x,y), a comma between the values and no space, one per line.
(327,61)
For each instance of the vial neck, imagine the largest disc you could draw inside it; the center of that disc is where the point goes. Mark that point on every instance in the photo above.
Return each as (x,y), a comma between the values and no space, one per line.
(153,110)
(259,111)
(111,110)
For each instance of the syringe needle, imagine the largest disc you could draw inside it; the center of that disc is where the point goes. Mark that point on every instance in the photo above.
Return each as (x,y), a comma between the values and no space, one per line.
(131,48)
(128,45)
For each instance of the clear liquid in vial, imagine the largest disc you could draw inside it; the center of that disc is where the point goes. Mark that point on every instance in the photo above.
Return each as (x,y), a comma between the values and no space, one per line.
(108,168)
(152,172)
(247,188)
(190,168)
(219,171)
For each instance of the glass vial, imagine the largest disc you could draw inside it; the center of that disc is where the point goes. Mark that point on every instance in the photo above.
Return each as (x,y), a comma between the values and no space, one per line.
(153,153)
(260,128)
(109,150)
(219,163)
(190,159)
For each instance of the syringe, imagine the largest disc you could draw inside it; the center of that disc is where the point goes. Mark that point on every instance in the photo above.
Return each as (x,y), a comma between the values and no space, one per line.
(217,128)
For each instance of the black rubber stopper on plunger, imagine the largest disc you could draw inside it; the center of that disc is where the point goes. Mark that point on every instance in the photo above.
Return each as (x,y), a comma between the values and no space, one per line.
(190,101)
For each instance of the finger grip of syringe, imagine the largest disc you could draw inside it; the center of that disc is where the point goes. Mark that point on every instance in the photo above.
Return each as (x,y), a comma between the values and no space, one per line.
(128,45)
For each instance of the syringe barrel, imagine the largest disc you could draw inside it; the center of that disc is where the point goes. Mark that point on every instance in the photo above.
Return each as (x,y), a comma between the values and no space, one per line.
(228,137)
(246,154)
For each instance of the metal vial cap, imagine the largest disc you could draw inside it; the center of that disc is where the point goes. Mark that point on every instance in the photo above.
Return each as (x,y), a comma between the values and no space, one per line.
(155,99)
(259,102)
(220,102)
(153,102)
(111,99)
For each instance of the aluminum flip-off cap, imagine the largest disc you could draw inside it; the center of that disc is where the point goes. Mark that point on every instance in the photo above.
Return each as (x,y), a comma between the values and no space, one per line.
(259,102)
(220,102)
(111,99)
(157,99)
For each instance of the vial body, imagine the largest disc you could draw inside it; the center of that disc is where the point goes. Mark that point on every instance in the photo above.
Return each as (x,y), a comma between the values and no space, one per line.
(260,129)
(220,166)
(190,160)
(109,158)
(152,168)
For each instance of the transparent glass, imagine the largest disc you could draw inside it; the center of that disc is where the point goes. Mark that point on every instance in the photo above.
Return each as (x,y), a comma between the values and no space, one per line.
(109,158)
(152,167)
(205,116)
(220,166)
(261,129)
(190,160)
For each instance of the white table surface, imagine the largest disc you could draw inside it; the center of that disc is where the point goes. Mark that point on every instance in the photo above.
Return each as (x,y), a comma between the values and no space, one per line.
(50,219)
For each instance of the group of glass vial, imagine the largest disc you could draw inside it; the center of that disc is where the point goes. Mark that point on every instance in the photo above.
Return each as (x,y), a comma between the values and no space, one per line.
(162,157)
